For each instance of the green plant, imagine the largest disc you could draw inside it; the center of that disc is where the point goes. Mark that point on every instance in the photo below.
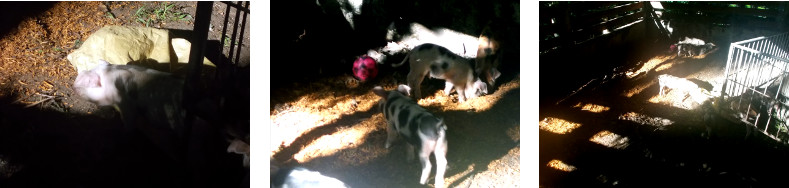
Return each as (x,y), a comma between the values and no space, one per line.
(161,13)
(182,16)
(142,17)
(140,11)
(157,15)
(77,43)
(227,41)
(144,21)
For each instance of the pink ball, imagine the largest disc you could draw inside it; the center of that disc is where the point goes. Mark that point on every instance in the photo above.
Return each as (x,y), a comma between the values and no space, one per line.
(364,68)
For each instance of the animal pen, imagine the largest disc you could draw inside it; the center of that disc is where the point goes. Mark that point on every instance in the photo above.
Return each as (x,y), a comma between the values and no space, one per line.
(755,88)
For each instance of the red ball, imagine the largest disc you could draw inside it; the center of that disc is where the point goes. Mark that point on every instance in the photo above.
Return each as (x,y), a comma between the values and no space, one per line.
(364,68)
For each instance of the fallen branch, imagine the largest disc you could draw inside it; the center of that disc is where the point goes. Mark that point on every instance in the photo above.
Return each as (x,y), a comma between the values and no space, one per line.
(46,98)
(576,91)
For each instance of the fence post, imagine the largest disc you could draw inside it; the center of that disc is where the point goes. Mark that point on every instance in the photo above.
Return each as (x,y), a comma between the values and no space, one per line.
(191,83)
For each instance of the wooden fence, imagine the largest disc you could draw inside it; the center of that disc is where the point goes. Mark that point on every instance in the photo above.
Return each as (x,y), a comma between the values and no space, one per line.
(567,24)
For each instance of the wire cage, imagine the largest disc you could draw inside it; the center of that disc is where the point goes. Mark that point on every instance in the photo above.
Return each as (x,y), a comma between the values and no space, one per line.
(755,88)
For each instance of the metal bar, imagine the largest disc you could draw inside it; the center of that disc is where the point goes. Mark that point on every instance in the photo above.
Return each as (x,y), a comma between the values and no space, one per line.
(191,83)
(231,4)
(199,37)
(726,73)
(233,37)
(740,91)
(222,40)
(757,52)
(748,41)
(241,35)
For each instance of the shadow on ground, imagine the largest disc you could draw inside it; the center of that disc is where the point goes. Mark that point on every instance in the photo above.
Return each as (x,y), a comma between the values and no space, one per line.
(475,140)
(45,148)
(677,155)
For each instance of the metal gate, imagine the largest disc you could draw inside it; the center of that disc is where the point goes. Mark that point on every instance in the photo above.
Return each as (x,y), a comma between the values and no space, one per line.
(755,88)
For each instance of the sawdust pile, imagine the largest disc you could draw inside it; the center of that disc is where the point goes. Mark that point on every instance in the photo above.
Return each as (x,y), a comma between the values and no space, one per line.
(33,62)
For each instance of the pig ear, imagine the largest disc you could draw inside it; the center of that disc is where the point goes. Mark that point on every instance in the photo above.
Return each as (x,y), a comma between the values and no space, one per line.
(404,89)
(441,123)
(378,90)
(88,79)
(238,146)
(495,72)
(482,87)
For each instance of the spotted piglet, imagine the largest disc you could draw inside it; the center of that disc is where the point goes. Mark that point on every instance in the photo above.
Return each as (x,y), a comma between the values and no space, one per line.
(420,128)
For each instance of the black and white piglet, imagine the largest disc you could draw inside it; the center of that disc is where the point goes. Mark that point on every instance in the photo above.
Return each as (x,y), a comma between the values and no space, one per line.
(147,99)
(418,127)
(441,63)
(690,47)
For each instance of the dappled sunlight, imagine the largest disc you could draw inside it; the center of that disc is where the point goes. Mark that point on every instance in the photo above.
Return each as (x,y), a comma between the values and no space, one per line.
(457,42)
(559,165)
(459,176)
(649,65)
(611,140)
(344,138)
(287,127)
(479,104)
(680,93)
(291,120)
(664,67)
(558,126)
(638,89)
(677,99)
(501,168)
(658,122)
(592,107)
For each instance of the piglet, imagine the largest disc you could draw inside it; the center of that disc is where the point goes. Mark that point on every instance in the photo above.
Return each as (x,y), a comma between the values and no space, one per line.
(419,127)
(147,99)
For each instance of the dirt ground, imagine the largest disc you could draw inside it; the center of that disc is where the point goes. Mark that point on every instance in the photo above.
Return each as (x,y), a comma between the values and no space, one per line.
(618,131)
(51,138)
(337,129)
(324,119)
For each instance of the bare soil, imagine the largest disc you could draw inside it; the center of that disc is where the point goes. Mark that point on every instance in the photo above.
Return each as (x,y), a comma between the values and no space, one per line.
(618,131)
(327,121)
(336,128)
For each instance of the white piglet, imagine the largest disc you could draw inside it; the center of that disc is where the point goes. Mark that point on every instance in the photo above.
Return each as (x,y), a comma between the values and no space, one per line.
(147,99)
(418,127)
(134,91)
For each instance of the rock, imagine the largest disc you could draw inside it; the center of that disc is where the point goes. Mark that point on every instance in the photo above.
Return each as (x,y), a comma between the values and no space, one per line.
(124,44)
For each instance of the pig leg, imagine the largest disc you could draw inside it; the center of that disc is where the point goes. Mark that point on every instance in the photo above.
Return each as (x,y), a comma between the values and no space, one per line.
(424,159)
(448,87)
(441,161)
(128,115)
(391,134)
(461,93)
(415,82)
(493,74)
(409,152)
